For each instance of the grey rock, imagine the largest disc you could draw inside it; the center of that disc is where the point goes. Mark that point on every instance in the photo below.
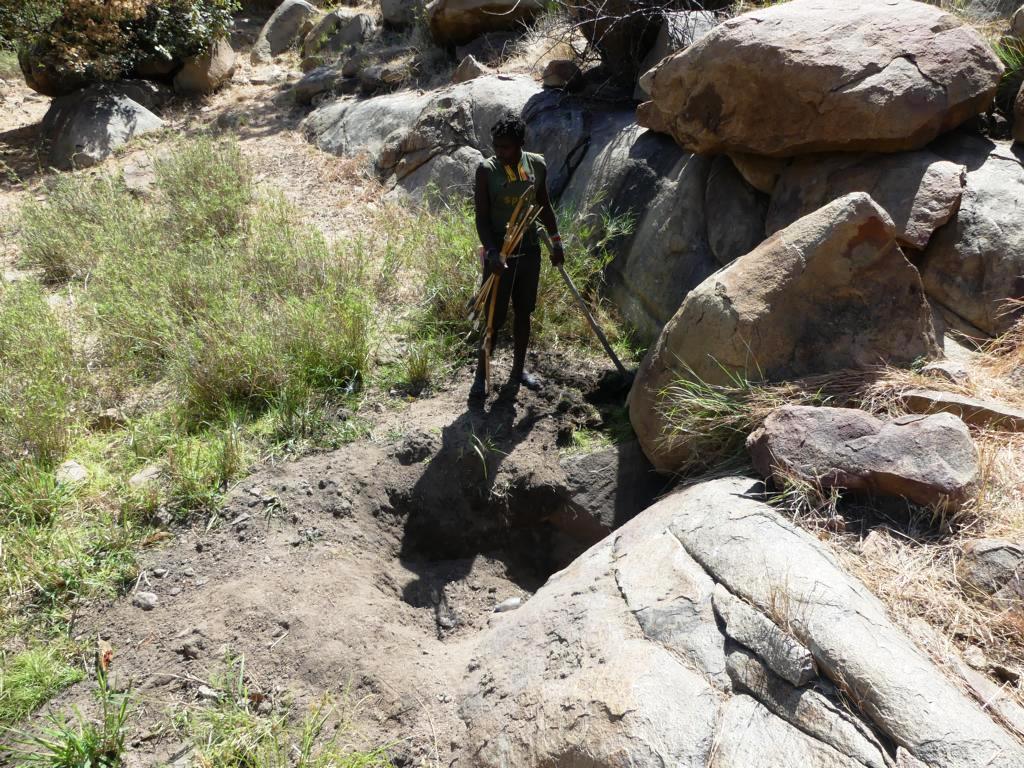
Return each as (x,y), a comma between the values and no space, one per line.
(508,605)
(988,10)
(952,371)
(929,460)
(618,659)
(71,472)
(993,565)
(468,69)
(145,477)
(147,601)
(206,693)
(779,650)
(561,73)
(85,127)
(336,32)
(678,30)
(752,737)
(754,552)
(810,711)
(831,291)
(735,212)
(285,27)
(606,489)
(322,80)
(987,414)
(919,190)
(976,262)
(400,13)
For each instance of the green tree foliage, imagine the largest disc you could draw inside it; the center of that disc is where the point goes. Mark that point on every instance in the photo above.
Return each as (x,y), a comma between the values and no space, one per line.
(109,39)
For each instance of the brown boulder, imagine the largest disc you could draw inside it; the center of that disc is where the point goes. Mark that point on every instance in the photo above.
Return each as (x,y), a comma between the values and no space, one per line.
(928,460)
(457,22)
(920,190)
(208,71)
(831,291)
(816,75)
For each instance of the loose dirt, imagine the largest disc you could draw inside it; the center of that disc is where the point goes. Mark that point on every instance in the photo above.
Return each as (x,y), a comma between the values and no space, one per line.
(365,572)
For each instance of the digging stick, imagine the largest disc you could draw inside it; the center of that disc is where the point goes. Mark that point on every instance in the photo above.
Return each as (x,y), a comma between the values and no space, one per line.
(593,323)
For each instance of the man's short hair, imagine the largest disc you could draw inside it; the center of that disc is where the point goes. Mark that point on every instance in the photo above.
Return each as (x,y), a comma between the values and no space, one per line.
(509,126)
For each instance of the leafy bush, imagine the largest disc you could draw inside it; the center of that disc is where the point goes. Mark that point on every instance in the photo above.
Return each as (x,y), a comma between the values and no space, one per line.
(22,20)
(96,40)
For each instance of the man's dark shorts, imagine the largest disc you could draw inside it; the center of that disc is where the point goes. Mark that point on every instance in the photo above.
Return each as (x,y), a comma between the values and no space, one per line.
(519,283)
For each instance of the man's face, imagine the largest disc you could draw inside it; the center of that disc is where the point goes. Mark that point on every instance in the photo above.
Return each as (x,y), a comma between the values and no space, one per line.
(508,151)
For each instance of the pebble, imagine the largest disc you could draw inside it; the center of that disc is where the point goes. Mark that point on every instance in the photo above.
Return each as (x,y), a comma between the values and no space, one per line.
(188,573)
(159,572)
(175,591)
(71,473)
(508,605)
(145,600)
(207,693)
(191,649)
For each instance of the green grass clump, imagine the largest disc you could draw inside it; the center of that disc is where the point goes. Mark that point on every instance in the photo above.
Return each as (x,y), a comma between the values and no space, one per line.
(39,375)
(30,679)
(78,742)
(232,732)
(1011,53)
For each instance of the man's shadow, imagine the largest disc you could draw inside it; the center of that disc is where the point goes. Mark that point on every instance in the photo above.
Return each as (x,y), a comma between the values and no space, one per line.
(462,506)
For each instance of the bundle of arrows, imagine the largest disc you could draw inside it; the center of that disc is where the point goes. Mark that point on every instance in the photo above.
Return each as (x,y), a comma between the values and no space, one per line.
(523,215)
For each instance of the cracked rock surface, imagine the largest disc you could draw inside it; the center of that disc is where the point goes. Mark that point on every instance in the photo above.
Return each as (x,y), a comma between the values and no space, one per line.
(623,658)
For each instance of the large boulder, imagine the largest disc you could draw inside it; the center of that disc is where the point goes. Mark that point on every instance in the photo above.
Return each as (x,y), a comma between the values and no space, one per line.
(644,178)
(816,75)
(208,71)
(337,31)
(831,291)
(674,640)
(84,128)
(919,190)
(399,14)
(47,73)
(457,22)
(929,460)
(678,30)
(285,27)
(976,262)
(735,212)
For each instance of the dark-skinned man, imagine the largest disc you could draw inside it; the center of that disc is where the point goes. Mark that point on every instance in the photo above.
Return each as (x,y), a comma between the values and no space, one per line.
(500,182)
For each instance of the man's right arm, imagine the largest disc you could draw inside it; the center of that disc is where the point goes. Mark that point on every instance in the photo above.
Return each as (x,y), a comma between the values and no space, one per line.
(482,206)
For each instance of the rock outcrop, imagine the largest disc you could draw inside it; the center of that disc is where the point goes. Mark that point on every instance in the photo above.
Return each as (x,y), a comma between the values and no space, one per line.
(831,291)
(337,31)
(919,190)
(285,27)
(976,262)
(457,22)
(678,30)
(986,414)
(85,127)
(208,71)
(620,658)
(815,75)
(735,212)
(928,460)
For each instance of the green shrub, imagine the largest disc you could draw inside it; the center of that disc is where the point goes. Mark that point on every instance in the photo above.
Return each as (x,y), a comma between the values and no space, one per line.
(100,40)
(23,20)
(1011,52)
(39,377)
(78,224)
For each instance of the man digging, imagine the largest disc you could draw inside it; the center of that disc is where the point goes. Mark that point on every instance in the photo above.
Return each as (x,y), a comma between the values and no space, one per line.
(503,183)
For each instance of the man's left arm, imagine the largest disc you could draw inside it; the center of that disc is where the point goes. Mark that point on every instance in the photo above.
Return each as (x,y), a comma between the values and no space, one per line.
(550,221)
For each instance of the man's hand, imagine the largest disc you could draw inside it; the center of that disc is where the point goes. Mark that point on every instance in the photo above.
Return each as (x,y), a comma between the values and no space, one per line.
(557,252)
(493,260)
